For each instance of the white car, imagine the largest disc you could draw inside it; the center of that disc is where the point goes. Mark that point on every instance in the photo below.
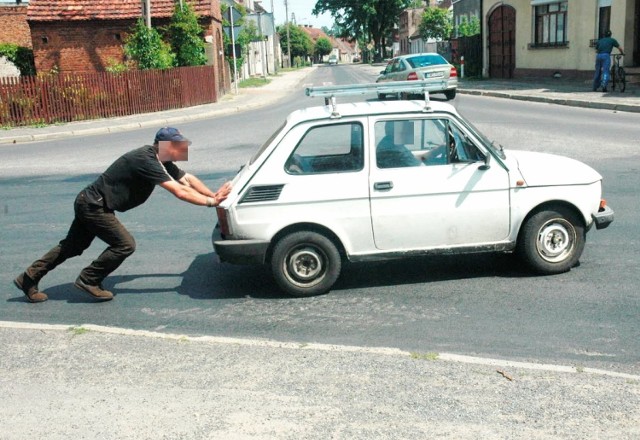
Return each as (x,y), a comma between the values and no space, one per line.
(379,180)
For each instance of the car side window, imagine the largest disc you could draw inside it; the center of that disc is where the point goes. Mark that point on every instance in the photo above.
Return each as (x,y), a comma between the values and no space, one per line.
(328,149)
(409,143)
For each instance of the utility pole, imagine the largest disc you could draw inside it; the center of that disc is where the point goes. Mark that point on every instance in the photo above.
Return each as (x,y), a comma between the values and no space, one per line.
(146,12)
(286,11)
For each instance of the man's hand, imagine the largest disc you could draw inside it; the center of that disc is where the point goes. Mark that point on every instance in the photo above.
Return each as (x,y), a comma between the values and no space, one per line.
(222,193)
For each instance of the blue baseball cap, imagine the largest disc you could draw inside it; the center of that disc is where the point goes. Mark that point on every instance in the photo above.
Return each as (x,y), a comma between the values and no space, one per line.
(169,134)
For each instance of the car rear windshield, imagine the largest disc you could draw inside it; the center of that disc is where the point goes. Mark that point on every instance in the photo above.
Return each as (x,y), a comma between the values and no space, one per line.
(426,61)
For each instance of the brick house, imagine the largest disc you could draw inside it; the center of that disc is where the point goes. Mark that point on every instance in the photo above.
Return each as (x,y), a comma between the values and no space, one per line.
(13,24)
(88,35)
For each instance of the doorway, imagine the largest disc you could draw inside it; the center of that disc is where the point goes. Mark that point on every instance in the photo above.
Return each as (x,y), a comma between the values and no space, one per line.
(502,42)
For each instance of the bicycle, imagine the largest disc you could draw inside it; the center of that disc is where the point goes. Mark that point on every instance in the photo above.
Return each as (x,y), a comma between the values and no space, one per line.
(618,79)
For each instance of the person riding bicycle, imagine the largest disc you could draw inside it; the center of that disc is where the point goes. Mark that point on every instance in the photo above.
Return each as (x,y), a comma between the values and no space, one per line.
(604,46)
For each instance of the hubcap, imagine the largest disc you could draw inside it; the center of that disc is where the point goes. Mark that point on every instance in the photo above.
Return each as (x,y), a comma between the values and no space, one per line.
(305,264)
(555,240)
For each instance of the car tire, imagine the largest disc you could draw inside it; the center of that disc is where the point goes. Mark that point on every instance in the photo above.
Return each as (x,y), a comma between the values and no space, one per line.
(305,263)
(551,241)
(382,96)
(450,94)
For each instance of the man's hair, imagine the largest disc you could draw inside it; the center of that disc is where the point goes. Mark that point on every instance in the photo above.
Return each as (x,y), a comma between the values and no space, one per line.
(607,33)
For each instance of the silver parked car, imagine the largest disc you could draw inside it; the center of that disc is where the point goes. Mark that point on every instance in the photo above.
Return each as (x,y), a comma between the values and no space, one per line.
(421,66)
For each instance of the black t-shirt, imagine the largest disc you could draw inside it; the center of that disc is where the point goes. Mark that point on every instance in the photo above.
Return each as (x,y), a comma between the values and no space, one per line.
(130,180)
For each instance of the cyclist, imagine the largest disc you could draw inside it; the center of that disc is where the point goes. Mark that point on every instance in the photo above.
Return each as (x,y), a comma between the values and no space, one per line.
(604,46)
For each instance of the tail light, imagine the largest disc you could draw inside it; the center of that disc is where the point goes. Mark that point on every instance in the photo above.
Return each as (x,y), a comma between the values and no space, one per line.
(453,73)
(223,221)
(413,76)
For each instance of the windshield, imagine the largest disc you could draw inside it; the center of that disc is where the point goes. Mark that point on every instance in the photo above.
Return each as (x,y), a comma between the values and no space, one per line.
(267,143)
(485,140)
(426,61)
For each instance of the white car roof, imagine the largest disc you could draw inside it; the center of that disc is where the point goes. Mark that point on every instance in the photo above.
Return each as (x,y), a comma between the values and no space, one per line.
(368,108)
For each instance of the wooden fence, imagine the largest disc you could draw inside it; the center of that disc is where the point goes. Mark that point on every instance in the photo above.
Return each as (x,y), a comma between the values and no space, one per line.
(65,97)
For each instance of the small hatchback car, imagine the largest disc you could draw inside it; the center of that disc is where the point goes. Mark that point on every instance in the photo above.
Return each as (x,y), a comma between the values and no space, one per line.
(378,180)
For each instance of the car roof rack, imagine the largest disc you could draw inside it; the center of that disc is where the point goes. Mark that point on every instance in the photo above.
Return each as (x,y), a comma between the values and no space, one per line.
(424,86)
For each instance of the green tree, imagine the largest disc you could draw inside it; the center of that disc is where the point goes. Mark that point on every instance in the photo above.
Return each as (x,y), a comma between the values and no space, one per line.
(373,20)
(146,48)
(301,44)
(186,36)
(22,57)
(323,47)
(436,24)
(468,28)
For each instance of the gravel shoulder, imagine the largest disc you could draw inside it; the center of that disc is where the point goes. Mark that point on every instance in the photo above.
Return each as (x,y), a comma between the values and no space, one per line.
(84,382)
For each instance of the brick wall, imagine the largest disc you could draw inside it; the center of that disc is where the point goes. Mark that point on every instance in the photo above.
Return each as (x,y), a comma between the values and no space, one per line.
(79,46)
(13,25)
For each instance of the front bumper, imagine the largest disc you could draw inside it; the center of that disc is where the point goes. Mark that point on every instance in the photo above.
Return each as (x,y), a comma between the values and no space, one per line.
(603,218)
(239,251)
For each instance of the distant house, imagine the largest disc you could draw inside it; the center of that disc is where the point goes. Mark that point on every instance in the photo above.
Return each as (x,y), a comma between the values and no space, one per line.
(88,35)
(555,37)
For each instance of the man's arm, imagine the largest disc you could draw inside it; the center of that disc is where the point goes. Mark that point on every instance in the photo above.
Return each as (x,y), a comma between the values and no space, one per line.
(190,189)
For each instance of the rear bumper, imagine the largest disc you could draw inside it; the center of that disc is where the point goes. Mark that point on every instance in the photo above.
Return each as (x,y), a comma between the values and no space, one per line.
(239,251)
(603,218)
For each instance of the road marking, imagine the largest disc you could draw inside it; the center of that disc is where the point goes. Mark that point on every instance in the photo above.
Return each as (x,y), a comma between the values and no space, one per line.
(267,343)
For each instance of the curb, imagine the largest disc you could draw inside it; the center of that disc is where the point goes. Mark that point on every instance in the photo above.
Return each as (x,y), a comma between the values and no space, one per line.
(557,101)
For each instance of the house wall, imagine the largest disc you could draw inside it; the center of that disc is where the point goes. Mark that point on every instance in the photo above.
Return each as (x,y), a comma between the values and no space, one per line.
(576,59)
(13,25)
(81,46)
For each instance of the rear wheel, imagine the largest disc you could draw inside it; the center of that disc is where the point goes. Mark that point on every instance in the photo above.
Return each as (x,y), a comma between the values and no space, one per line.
(450,94)
(552,241)
(305,263)
(382,96)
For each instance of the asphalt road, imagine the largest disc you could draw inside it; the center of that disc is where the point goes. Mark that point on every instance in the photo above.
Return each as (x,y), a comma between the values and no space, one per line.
(482,305)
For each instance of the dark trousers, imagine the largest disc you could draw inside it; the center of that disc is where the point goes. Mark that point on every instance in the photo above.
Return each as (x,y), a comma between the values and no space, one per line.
(90,221)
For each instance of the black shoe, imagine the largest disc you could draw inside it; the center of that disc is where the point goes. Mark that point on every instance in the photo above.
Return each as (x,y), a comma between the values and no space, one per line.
(604,90)
(96,291)
(29,288)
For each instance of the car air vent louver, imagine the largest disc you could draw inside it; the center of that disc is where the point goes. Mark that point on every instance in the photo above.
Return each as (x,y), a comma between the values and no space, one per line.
(267,193)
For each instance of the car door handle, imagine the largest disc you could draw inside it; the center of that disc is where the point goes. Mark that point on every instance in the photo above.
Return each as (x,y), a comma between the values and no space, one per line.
(383,186)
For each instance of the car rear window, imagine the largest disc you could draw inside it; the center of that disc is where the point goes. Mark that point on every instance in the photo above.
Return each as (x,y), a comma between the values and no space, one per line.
(426,60)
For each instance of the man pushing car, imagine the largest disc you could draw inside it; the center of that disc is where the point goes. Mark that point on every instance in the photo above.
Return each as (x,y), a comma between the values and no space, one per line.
(127,183)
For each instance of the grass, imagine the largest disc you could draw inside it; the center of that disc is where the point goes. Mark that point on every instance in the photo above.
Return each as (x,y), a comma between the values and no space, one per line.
(253,82)
(77,331)
(425,356)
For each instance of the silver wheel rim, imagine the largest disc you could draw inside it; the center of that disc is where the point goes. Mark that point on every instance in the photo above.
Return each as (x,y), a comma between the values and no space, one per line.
(556,240)
(305,264)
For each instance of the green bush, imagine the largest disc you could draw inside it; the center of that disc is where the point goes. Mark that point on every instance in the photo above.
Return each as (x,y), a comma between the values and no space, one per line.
(185,35)
(146,48)
(22,57)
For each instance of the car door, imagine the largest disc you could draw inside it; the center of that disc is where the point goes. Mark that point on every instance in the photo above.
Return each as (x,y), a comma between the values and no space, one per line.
(430,187)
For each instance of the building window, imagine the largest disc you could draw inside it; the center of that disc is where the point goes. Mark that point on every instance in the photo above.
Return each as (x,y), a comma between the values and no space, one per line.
(551,24)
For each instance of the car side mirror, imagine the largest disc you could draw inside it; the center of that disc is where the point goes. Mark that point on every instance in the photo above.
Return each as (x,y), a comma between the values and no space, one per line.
(486,165)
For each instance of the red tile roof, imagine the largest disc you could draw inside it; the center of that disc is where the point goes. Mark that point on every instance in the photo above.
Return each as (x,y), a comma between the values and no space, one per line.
(69,10)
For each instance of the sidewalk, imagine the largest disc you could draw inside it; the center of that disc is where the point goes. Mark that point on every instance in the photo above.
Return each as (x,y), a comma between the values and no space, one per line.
(575,93)
(555,91)
(66,382)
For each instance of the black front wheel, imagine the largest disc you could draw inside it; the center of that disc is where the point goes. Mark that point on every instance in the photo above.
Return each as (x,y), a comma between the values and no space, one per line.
(305,263)
(552,241)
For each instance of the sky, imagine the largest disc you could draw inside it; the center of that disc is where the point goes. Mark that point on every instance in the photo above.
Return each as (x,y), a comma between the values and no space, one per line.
(302,10)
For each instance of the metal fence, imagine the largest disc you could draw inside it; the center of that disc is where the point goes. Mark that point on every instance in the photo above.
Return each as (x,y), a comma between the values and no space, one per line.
(64,98)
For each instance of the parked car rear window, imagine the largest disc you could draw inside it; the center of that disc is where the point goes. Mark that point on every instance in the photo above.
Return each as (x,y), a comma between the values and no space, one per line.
(426,60)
